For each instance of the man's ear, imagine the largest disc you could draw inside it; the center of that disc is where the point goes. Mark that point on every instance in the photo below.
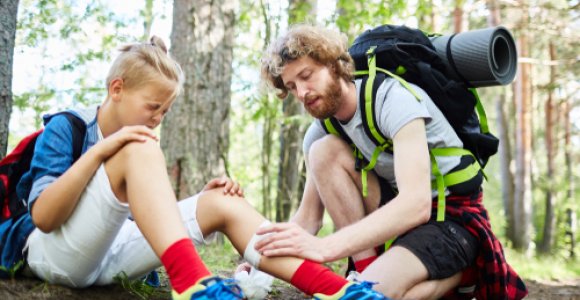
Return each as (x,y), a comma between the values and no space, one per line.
(115,89)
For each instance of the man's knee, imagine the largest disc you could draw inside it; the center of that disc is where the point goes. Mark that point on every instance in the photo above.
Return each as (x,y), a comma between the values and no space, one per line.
(329,150)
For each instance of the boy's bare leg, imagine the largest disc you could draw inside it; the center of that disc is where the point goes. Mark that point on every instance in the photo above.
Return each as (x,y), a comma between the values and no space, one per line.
(138,175)
(238,220)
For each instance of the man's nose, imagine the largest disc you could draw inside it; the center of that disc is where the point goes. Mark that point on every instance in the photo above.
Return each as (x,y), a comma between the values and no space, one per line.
(301,91)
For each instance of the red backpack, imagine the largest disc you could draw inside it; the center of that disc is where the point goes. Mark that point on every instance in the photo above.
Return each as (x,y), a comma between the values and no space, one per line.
(17,163)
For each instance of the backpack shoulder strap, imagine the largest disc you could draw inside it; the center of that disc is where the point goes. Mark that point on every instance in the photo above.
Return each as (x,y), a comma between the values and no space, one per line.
(79,130)
(367,103)
(332,126)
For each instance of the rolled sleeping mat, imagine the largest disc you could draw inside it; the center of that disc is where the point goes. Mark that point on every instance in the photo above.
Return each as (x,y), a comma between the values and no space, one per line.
(483,57)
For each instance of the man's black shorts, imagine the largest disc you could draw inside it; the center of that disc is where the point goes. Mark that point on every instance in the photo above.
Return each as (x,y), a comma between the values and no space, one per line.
(444,248)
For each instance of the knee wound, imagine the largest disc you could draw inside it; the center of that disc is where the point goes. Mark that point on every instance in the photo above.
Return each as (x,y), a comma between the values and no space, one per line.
(251,255)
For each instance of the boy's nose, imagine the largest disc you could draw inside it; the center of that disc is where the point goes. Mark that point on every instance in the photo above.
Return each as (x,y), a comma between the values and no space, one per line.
(157,119)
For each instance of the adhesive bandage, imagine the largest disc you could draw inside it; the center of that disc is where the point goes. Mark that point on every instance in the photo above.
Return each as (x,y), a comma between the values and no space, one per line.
(251,255)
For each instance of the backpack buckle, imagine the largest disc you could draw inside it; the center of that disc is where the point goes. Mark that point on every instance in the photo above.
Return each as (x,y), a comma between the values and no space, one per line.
(371,51)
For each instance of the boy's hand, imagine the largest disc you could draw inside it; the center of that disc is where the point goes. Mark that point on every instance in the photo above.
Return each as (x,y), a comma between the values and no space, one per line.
(230,187)
(111,144)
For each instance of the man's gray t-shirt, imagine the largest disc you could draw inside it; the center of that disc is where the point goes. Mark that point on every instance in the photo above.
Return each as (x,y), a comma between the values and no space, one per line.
(397,107)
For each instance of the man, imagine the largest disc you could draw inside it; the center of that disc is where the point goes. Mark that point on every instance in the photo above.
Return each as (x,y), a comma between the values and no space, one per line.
(428,257)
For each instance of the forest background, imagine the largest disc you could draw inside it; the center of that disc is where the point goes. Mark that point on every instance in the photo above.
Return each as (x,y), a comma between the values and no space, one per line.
(55,54)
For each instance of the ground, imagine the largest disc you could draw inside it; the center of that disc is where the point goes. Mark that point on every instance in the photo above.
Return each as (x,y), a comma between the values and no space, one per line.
(26,288)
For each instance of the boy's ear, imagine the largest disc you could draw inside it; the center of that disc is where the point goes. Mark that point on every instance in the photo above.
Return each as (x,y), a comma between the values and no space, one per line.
(115,89)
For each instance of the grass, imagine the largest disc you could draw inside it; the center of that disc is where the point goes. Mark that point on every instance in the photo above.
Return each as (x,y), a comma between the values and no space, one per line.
(543,267)
(138,287)
(11,272)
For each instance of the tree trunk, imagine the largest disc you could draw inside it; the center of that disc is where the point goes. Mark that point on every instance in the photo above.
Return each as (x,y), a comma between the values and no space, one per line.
(550,217)
(266,154)
(8,16)
(505,148)
(269,106)
(458,16)
(505,157)
(494,16)
(195,132)
(523,191)
(291,132)
(291,159)
(571,220)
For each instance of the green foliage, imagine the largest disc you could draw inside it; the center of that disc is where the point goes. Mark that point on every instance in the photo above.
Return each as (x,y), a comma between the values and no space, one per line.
(301,12)
(353,17)
(219,257)
(137,287)
(61,36)
(543,267)
(12,270)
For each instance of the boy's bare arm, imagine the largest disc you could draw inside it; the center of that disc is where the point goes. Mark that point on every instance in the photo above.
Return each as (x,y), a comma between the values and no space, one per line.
(56,203)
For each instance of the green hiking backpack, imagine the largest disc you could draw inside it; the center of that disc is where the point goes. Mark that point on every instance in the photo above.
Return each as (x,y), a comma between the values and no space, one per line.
(408,55)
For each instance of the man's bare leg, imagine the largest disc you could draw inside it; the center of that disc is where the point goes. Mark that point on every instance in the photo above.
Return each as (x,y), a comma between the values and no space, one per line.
(401,275)
(339,185)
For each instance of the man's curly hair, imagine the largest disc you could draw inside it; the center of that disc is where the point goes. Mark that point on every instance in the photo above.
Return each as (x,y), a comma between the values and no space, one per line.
(325,46)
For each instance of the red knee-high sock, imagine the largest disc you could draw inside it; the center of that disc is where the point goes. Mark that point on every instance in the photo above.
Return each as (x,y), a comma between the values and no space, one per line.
(183,265)
(362,264)
(313,278)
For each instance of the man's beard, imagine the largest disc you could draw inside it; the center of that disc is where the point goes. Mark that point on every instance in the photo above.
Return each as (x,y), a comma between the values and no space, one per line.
(329,102)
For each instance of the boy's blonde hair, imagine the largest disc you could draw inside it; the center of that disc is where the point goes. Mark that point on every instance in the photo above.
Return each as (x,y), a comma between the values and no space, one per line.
(142,63)
(327,47)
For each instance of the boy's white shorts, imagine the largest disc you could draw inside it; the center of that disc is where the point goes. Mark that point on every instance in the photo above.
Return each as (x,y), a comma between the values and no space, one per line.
(98,241)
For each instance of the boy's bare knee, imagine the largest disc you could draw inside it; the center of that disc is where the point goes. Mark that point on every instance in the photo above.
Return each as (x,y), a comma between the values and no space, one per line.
(219,210)
(148,148)
(220,203)
(139,152)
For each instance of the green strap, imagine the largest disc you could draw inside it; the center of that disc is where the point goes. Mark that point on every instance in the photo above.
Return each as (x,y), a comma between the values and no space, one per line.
(389,243)
(330,127)
(480,112)
(369,109)
(440,188)
(370,166)
(451,152)
(460,152)
(403,82)
(460,176)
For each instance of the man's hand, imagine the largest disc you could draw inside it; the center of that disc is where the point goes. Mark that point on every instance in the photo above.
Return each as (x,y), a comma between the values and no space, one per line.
(289,239)
(230,187)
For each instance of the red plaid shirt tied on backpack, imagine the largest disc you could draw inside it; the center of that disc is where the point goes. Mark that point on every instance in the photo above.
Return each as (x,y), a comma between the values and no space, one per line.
(494,279)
